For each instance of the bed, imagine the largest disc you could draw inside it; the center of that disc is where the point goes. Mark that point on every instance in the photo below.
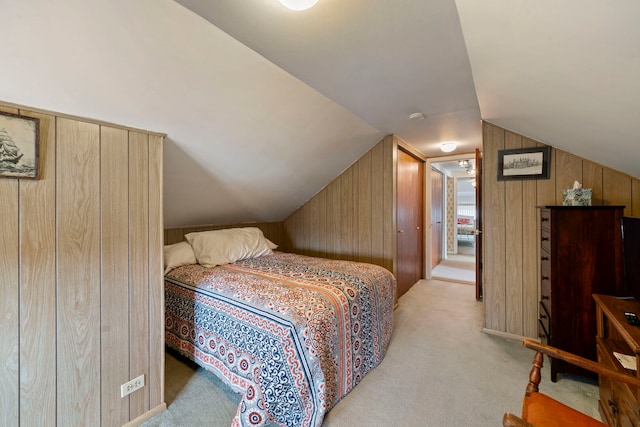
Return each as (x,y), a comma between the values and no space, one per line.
(292,334)
(466,228)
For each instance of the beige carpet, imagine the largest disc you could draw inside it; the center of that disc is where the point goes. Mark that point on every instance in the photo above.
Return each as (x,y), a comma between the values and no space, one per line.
(440,370)
(456,268)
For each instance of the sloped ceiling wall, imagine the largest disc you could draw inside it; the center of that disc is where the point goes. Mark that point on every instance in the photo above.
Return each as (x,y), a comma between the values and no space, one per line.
(246,141)
(253,131)
(565,73)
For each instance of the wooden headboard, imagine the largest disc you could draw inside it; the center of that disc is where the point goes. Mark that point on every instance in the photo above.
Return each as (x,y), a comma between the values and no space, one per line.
(273,231)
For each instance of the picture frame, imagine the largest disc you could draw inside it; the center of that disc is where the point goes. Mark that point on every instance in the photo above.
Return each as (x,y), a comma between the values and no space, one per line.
(19,146)
(524,163)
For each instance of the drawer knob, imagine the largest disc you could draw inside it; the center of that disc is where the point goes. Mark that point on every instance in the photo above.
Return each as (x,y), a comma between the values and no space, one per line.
(544,239)
(544,219)
(543,316)
(544,258)
(545,277)
(545,296)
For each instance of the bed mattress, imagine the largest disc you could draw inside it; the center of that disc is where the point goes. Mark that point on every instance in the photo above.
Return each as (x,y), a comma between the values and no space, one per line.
(292,334)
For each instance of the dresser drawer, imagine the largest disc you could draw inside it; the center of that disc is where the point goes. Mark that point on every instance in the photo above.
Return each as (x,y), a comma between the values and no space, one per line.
(545,240)
(544,316)
(542,333)
(545,259)
(545,287)
(545,219)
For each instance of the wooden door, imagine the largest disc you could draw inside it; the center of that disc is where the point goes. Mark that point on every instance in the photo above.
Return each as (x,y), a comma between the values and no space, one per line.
(437,207)
(410,218)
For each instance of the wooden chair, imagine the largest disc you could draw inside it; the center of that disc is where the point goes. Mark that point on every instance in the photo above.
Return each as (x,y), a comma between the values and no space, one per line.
(540,410)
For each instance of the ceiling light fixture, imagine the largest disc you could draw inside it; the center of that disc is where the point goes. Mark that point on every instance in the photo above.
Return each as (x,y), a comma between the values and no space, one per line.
(448,147)
(416,116)
(298,4)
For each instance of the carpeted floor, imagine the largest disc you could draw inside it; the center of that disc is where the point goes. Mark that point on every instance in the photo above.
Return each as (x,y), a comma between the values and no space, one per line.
(440,370)
(456,268)
(466,247)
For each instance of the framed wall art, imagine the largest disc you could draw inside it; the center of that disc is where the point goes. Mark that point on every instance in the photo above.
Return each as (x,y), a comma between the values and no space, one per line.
(524,163)
(19,146)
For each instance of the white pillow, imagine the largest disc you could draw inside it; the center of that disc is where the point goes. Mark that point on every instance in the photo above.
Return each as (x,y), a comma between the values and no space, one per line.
(271,244)
(220,247)
(177,255)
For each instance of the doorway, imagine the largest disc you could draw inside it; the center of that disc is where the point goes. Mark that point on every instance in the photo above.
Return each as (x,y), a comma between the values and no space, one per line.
(459,213)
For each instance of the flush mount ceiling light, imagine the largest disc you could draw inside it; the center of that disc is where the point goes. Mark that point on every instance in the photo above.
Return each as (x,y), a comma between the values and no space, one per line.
(298,4)
(416,116)
(448,147)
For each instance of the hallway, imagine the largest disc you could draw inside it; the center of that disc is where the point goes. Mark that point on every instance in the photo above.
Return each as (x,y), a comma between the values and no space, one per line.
(457,268)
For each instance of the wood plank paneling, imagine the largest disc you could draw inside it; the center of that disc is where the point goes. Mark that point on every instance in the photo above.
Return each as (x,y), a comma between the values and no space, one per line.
(346,213)
(64,298)
(389,184)
(38,286)
(513,254)
(9,304)
(635,197)
(9,300)
(114,193)
(156,285)
(313,217)
(592,178)
(530,254)
(355,209)
(138,269)
(546,188)
(493,240)
(333,218)
(354,215)
(377,205)
(513,246)
(616,189)
(363,195)
(568,170)
(323,207)
(78,213)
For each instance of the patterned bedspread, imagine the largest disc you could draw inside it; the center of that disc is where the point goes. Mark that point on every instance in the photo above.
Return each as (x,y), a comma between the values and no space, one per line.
(293,334)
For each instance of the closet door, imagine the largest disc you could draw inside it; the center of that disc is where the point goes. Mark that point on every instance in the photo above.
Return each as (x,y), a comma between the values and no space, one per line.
(409,219)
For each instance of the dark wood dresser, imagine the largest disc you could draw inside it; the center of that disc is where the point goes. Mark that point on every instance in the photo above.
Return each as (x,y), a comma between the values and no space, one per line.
(580,255)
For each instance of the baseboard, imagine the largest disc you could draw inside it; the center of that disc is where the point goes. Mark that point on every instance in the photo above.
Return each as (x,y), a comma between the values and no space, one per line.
(507,335)
(147,415)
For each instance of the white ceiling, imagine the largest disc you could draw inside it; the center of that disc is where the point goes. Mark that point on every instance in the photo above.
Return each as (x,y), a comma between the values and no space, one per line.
(263,106)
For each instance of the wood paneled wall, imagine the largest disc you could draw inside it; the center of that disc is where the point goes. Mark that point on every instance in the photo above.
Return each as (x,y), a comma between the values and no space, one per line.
(511,225)
(81,293)
(273,231)
(354,217)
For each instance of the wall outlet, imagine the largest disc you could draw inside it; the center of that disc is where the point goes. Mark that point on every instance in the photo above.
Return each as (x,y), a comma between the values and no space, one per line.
(131,386)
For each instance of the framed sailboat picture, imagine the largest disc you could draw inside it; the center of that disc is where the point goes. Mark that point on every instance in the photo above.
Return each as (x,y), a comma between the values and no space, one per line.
(19,146)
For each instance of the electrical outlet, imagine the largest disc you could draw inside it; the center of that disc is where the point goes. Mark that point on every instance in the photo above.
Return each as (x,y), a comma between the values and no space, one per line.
(131,386)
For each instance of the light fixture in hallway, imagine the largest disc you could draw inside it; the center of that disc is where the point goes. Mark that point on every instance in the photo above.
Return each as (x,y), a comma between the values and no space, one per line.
(448,147)
(298,4)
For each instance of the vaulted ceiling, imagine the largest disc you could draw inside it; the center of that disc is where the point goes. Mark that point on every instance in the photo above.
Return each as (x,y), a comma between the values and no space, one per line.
(263,106)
